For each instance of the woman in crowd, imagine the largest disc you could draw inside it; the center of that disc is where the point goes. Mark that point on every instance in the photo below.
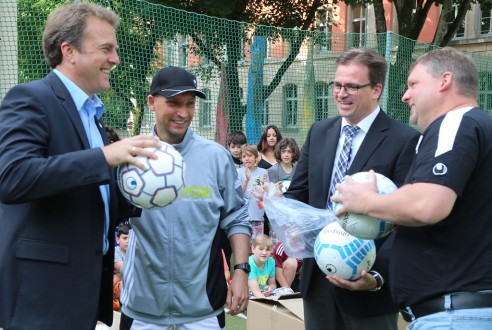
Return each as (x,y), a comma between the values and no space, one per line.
(266,146)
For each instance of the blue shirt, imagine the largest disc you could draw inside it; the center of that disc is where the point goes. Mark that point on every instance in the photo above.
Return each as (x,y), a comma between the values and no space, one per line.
(90,110)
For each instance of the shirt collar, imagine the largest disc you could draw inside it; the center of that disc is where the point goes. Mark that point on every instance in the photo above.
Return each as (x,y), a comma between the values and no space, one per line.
(80,98)
(180,146)
(365,123)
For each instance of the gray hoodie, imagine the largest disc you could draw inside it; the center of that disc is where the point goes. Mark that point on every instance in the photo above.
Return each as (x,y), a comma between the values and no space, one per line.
(173,268)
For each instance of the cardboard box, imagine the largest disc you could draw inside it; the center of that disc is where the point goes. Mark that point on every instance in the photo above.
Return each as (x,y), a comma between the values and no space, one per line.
(283,312)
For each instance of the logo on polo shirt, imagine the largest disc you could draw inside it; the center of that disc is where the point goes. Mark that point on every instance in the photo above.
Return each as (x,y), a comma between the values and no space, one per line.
(197,192)
(440,169)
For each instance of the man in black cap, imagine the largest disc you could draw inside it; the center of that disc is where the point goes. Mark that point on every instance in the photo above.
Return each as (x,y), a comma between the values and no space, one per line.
(173,271)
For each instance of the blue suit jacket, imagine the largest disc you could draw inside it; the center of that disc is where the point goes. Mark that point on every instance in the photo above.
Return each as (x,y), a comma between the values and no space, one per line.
(388,149)
(52,271)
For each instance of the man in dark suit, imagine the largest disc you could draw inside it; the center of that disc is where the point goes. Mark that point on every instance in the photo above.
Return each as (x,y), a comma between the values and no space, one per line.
(379,143)
(58,197)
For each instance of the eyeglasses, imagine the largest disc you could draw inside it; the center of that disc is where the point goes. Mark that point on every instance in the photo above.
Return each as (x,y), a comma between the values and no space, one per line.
(349,88)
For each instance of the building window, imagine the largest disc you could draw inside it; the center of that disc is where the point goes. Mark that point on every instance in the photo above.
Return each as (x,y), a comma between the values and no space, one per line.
(485,22)
(206,110)
(183,51)
(241,53)
(359,26)
(324,45)
(322,97)
(485,90)
(460,33)
(242,49)
(290,106)
(169,52)
(324,25)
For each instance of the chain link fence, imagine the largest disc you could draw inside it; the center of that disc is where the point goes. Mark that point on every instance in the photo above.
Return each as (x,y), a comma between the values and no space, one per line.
(253,75)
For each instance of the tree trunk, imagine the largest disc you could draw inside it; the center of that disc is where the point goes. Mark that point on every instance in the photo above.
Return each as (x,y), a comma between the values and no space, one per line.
(233,106)
(463,8)
(380,17)
(444,18)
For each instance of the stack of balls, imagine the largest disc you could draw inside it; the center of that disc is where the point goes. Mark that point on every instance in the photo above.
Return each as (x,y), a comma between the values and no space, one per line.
(346,247)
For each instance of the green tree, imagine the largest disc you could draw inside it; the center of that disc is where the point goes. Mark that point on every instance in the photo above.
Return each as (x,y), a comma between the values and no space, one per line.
(227,37)
(145,25)
(31,19)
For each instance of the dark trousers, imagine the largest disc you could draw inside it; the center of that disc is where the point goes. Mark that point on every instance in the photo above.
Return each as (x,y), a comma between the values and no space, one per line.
(322,311)
(125,322)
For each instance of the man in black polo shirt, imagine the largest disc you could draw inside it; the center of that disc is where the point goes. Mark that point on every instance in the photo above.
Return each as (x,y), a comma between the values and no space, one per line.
(441,264)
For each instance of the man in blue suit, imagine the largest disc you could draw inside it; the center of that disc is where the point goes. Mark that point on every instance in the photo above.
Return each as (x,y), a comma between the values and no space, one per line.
(379,143)
(58,197)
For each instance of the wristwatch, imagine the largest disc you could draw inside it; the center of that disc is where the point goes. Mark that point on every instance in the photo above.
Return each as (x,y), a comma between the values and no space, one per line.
(244,266)
(379,280)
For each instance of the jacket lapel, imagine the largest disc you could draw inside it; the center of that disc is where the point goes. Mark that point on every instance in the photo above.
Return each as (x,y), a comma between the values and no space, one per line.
(329,153)
(374,137)
(69,106)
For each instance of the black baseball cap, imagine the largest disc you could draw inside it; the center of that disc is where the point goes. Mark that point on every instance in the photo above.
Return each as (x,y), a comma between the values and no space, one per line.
(172,80)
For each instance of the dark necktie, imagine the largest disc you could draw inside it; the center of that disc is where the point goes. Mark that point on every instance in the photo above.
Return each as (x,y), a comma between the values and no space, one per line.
(343,159)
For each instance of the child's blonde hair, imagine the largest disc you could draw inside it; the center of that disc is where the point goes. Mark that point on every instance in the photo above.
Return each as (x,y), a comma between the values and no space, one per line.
(263,240)
(250,148)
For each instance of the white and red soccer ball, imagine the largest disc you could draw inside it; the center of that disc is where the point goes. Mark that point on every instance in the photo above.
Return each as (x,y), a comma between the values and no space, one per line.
(160,184)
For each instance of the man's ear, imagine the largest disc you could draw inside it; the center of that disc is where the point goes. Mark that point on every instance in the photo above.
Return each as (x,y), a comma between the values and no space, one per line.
(68,52)
(445,81)
(151,102)
(378,90)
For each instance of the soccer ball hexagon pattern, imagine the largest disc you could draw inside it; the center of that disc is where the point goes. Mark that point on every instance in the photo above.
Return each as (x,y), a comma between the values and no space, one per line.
(338,253)
(363,226)
(160,184)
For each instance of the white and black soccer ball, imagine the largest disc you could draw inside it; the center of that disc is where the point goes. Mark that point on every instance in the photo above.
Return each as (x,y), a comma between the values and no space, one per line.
(338,253)
(363,226)
(158,186)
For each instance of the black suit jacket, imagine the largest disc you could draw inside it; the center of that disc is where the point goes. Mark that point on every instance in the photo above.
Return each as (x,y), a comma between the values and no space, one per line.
(388,148)
(52,271)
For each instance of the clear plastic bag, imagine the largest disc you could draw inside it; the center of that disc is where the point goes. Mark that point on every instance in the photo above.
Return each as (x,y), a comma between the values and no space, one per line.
(295,223)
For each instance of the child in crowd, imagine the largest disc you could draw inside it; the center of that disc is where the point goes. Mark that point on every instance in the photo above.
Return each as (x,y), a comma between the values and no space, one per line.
(234,142)
(287,154)
(286,268)
(252,176)
(119,251)
(261,279)
(123,232)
